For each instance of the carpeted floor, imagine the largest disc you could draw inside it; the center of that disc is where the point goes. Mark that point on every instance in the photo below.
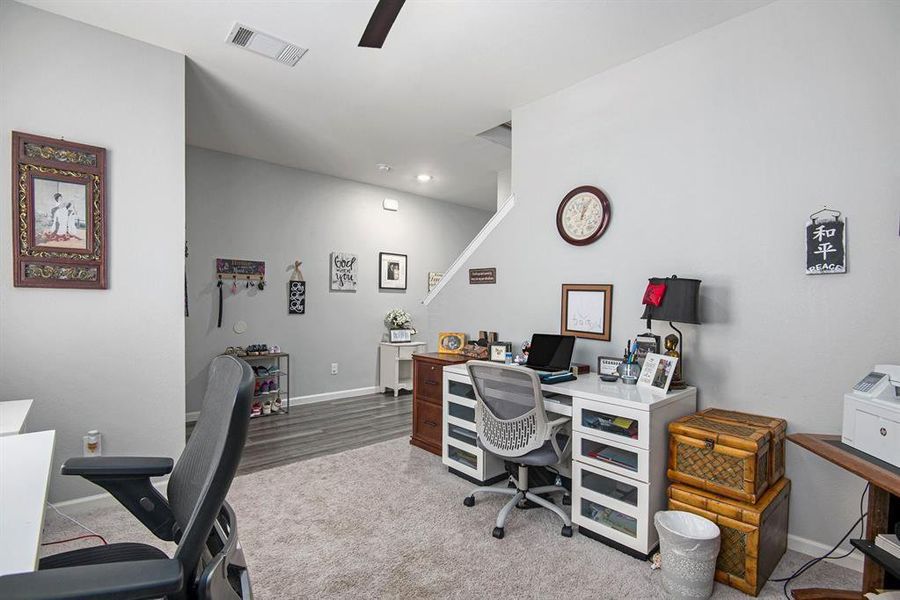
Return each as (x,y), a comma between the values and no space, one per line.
(387,521)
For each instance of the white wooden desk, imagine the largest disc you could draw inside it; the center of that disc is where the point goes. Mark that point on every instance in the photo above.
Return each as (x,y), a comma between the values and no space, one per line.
(619,451)
(12,416)
(24,474)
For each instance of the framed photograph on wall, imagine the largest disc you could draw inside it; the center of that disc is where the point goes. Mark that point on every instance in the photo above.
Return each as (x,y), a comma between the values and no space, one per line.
(391,271)
(59,213)
(587,311)
(657,372)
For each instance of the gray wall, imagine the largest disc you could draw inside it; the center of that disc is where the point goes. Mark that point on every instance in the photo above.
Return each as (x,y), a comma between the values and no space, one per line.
(243,208)
(116,361)
(714,151)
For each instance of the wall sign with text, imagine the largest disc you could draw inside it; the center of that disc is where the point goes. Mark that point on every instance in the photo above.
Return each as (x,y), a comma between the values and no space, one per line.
(344,271)
(826,246)
(488,275)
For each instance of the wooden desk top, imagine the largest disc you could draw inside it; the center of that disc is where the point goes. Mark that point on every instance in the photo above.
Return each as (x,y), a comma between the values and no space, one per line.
(442,357)
(829,447)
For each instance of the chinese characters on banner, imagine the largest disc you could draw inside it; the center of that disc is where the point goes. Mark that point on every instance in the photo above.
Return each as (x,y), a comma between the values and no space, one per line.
(826,247)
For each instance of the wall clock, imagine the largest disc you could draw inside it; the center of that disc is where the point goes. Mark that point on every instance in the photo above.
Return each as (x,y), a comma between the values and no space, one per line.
(583,215)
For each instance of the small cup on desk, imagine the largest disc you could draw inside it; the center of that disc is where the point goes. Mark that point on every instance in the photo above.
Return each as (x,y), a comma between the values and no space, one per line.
(629,372)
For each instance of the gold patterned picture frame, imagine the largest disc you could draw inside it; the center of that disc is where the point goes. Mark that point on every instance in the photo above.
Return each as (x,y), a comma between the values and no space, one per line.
(59,213)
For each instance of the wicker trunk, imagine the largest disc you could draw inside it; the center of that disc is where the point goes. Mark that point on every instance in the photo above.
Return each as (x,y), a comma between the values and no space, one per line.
(722,456)
(754,536)
(777,430)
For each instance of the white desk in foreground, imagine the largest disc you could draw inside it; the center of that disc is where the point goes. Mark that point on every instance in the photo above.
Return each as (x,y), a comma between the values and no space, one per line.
(24,474)
(619,451)
(12,416)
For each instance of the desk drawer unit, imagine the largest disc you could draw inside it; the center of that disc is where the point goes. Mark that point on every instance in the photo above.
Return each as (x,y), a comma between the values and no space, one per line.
(608,421)
(460,447)
(427,372)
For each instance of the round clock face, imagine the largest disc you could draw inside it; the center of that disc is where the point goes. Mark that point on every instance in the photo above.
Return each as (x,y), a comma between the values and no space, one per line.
(583,215)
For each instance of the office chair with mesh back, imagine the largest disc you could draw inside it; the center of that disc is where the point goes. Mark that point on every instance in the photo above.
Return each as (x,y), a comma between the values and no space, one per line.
(511,423)
(208,563)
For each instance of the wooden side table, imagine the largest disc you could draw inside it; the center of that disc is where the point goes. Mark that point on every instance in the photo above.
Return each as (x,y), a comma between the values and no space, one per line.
(884,485)
(395,365)
(428,394)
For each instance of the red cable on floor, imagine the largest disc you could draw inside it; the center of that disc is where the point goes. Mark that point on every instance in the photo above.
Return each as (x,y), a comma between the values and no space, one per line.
(80,537)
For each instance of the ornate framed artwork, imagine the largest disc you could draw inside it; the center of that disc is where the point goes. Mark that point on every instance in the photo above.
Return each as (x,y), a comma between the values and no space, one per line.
(587,311)
(59,213)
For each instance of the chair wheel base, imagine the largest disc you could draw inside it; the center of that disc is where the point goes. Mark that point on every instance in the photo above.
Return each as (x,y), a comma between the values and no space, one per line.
(567,531)
(469,501)
(567,500)
(498,532)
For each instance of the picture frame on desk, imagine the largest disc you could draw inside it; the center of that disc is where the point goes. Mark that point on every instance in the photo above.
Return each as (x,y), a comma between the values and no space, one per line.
(608,365)
(451,342)
(399,336)
(499,350)
(657,372)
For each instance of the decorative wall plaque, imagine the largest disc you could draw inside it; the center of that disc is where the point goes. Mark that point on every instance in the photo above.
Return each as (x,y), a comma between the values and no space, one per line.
(59,213)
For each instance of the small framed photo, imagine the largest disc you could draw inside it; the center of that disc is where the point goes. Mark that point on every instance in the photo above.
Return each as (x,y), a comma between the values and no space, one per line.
(391,271)
(400,335)
(587,311)
(499,350)
(657,372)
(607,365)
(646,343)
(451,342)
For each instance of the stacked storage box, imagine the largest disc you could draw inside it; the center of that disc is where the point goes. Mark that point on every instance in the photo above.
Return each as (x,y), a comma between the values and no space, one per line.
(729,467)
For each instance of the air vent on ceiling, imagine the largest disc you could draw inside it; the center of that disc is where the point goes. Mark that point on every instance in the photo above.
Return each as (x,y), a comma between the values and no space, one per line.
(265,44)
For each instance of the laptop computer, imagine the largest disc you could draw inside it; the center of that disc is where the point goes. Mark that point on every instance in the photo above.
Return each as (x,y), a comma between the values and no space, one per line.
(550,353)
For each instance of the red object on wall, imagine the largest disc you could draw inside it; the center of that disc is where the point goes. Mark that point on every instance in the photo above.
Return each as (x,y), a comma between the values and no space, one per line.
(654,294)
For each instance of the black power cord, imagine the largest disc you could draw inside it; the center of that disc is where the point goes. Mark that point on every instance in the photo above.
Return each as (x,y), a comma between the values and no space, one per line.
(812,562)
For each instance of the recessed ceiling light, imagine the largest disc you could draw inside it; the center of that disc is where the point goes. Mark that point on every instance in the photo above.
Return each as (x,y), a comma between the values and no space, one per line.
(384,168)
(424,178)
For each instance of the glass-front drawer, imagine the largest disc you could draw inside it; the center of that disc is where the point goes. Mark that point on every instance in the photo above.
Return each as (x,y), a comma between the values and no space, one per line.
(611,456)
(612,421)
(460,411)
(612,488)
(463,435)
(467,459)
(609,517)
(458,388)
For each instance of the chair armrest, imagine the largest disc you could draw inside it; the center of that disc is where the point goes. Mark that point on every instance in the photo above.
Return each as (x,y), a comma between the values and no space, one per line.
(134,580)
(106,467)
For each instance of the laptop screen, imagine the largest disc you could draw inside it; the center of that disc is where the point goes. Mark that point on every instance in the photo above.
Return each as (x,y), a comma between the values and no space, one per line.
(551,351)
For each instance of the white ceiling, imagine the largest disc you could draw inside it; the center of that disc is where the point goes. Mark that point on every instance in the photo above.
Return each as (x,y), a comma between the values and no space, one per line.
(449,70)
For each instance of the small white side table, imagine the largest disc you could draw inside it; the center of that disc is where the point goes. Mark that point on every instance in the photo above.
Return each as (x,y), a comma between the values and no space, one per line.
(396,368)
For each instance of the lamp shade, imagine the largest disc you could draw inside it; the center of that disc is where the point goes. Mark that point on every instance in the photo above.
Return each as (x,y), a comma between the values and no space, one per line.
(680,302)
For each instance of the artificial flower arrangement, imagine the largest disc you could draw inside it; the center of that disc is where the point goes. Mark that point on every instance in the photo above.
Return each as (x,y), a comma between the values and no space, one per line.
(398,319)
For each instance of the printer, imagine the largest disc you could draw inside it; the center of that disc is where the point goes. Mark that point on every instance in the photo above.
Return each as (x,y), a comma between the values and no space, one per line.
(872,414)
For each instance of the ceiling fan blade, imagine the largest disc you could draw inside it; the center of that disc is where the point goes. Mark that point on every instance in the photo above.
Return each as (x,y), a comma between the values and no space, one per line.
(380,24)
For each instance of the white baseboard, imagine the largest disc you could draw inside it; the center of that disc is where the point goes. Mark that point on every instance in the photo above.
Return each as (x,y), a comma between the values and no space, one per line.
(311,398)
(80,506)
(813,548)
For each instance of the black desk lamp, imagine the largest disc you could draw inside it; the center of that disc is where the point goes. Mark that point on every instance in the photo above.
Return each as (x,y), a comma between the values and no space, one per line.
(678,305)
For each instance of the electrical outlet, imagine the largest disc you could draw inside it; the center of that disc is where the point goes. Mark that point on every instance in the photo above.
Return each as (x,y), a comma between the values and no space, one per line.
(334,368)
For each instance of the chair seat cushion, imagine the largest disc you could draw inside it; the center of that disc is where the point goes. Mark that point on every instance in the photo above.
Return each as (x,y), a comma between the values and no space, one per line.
(541,457)
(109,553)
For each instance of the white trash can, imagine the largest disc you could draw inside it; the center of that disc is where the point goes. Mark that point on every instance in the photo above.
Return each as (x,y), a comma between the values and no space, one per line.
(689,545)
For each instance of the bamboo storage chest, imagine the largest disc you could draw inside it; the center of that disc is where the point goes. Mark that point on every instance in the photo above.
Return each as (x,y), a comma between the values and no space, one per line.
(722,456)
(754,536)
(777,429)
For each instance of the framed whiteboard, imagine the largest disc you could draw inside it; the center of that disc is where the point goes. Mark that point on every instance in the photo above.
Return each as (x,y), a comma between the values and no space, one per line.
(587,311)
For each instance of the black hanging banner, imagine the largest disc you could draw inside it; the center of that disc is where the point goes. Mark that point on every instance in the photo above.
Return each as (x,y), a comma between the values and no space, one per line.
(296,297)
(826,246)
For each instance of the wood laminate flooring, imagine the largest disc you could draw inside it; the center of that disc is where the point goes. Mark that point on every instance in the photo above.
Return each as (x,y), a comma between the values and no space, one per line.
(321,428)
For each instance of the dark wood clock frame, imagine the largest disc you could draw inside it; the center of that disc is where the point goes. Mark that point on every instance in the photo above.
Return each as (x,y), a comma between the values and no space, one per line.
(604,223)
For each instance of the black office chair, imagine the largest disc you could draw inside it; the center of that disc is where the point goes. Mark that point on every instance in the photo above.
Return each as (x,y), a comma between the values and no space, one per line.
(208,563)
